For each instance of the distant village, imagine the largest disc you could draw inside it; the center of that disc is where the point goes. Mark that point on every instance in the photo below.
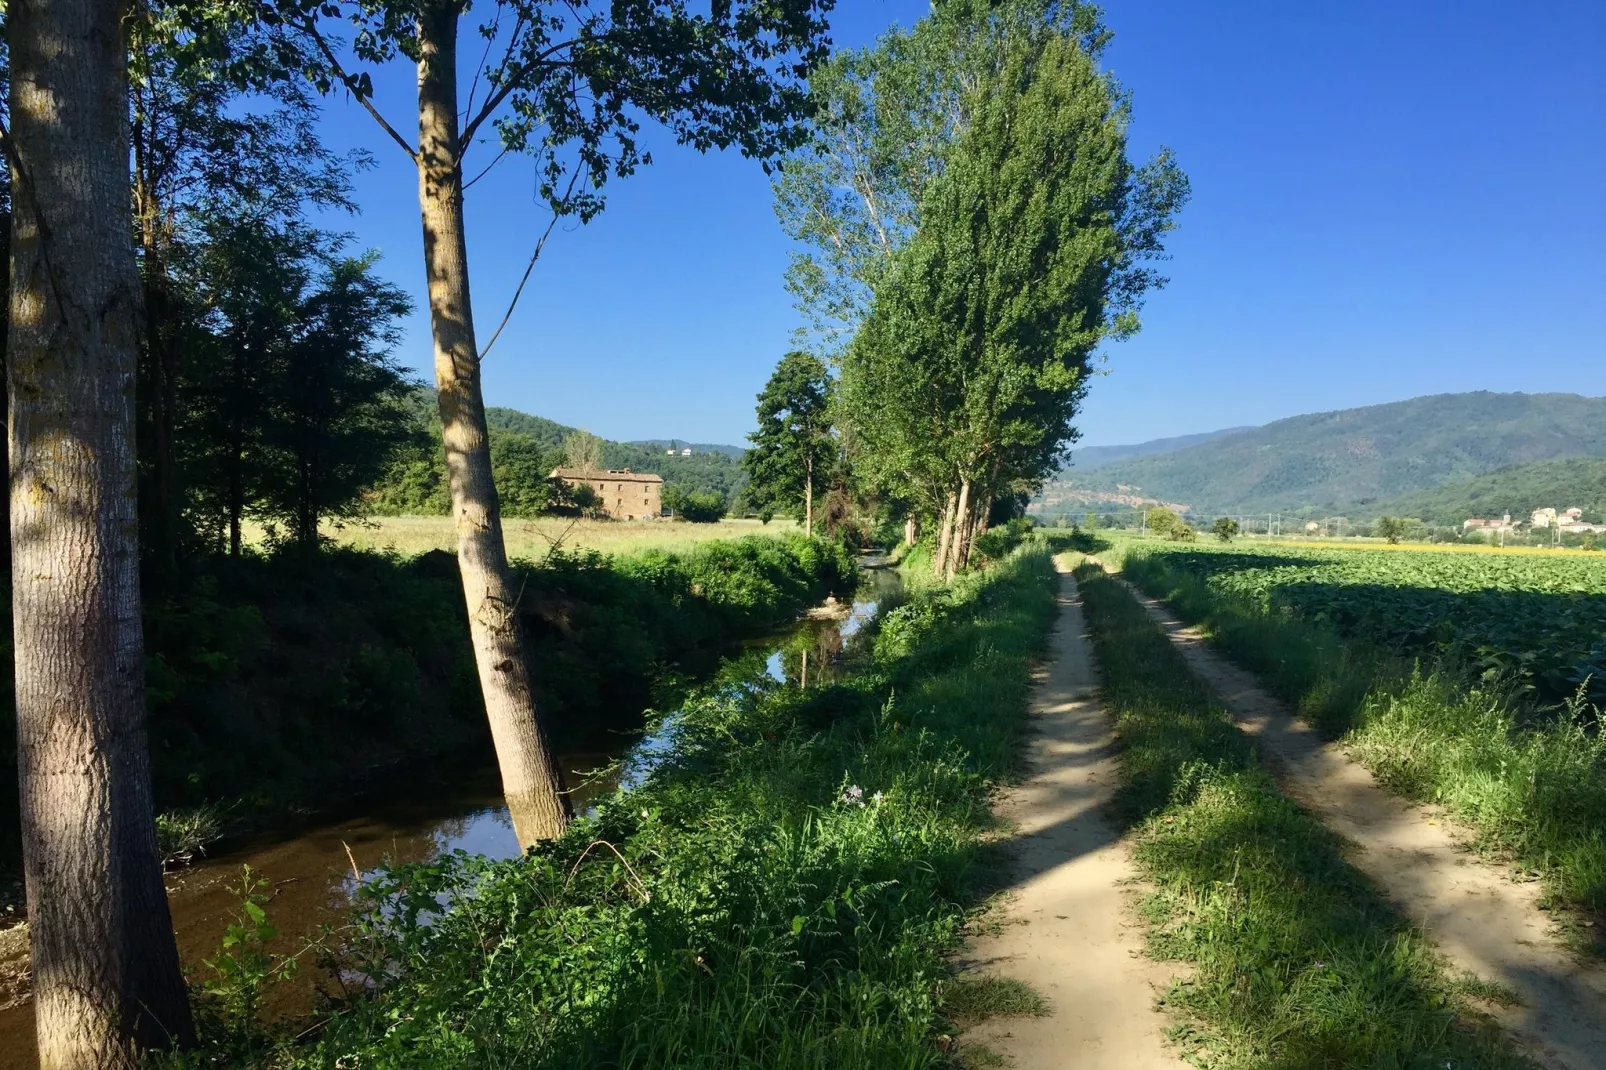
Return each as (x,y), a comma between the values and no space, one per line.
(1565,522)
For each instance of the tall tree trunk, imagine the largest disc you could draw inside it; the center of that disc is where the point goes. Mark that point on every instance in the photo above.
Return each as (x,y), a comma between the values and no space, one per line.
(106,972)
(911,531)
(959,548)
(531,779)
(808,497)
(945,535)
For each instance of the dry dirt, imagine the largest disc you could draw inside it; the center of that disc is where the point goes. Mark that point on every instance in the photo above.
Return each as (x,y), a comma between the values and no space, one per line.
(1481,919)
(1067,930)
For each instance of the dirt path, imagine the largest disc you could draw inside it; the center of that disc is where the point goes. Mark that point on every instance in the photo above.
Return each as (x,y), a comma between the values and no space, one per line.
(1066,931)
(1482,920)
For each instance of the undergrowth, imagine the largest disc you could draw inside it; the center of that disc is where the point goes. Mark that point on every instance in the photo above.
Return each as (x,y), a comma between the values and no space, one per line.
(1529,780)
(1296,959)
(780,892)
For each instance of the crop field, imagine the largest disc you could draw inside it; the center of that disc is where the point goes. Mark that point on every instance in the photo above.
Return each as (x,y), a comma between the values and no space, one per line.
(1539,617)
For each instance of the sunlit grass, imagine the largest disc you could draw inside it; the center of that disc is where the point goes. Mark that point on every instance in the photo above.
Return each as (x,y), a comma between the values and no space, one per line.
(1297,960)
(534,539)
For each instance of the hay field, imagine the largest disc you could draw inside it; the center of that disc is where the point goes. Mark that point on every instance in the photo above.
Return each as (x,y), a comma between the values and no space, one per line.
(412,535)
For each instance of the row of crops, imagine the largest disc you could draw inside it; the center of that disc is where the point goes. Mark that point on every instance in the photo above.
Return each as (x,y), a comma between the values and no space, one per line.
(1539,618)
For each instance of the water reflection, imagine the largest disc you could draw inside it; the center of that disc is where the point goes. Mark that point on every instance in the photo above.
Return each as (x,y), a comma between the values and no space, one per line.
(312,871)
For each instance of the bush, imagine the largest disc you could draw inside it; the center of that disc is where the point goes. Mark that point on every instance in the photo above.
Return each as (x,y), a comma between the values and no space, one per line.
(703,507)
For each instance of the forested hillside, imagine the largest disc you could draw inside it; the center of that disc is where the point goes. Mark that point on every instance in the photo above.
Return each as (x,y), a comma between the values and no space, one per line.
(1518,490)
(524,449)
(1087,458)
(1353,459)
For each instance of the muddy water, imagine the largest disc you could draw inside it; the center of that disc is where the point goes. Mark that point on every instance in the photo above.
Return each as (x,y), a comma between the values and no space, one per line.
(422,816)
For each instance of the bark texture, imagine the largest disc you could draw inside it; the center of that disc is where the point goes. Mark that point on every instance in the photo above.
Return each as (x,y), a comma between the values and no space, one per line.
(106,973)
(531,779)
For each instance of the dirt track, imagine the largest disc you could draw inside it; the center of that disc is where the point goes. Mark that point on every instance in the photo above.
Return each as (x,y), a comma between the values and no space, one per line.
(1482,920)
(1067,931)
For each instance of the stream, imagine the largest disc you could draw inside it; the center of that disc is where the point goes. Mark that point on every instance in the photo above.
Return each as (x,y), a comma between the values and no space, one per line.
(425,813)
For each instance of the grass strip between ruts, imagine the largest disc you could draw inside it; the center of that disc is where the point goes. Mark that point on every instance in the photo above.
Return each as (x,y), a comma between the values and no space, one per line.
(1296,960)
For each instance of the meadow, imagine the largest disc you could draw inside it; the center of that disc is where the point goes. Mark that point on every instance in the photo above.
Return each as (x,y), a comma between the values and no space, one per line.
(534,539)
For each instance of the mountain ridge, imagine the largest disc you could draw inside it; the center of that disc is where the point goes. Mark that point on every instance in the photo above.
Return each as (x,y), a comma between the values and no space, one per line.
(1350,459)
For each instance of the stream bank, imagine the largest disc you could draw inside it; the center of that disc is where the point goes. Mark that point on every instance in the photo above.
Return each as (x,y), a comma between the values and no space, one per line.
(427,813)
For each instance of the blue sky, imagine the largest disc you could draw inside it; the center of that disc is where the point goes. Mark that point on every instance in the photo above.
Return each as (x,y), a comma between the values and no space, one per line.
(1388,200)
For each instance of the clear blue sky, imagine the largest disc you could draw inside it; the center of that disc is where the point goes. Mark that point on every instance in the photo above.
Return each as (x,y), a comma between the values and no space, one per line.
(1388,200)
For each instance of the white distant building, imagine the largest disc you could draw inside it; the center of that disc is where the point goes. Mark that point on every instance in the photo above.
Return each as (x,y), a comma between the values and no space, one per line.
(686,452)
(1543,518)
(1566,521)
(670,452)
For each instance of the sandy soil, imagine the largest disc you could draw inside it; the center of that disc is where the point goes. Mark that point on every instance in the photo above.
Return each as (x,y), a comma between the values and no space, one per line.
(1481,919)
(1067,930)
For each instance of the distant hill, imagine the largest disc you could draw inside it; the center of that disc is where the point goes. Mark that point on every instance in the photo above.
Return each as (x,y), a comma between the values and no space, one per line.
(1349,460)
(735,452)
(524,448)
(1088,458)
(1518,490)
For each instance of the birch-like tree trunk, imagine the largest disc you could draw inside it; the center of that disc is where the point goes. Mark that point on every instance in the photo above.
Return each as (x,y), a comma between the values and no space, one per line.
(808,496)
(106,975)
(531,779)
(959,546)
(945,535)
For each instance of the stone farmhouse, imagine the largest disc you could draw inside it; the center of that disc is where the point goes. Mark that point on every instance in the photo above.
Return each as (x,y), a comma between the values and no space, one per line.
(621,493)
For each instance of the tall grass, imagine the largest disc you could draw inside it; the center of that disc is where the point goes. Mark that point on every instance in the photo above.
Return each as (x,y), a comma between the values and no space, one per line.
(1297,961)
(781,892)
(1530,781)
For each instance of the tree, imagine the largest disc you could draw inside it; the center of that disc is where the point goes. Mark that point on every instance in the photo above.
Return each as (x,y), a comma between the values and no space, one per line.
(105,967)
(583,451)
(1391,528)
(336,401)
(1161,521)
(1026,256)
(220,135)
(793,441)
(566,84)
(1225,528)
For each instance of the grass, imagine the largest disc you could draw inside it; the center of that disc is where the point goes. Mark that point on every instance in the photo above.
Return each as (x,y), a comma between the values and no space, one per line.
(782,892)
(1530,782)
(532,539)
(1296,959)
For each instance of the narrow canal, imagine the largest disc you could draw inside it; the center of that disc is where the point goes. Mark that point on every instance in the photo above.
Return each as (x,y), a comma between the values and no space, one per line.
(426,813)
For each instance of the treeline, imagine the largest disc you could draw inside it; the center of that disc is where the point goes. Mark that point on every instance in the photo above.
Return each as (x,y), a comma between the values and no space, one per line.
(524,451)
(972,232)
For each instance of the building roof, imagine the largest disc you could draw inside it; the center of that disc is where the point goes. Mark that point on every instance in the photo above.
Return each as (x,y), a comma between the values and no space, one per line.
(622,475)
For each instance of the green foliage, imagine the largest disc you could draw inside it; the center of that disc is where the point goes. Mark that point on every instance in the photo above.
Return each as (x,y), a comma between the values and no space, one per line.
(261,672)
(1023,251)
(781,891)
(1163,522)
(244,970)
(793,448)
(1391,528)
(1295,957)
(1531,780)
(1383,458)
(702,507)
(1517,490)
(1225,528)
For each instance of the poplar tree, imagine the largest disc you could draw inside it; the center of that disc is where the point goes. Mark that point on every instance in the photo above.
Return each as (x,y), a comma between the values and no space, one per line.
(567,85)
(106,974)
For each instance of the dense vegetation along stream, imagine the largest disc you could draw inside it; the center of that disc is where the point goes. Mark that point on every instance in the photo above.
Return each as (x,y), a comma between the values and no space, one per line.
(421,816)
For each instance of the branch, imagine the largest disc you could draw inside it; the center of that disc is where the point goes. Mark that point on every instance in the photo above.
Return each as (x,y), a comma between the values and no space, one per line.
(350,83)
(556,215)
(511,83)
